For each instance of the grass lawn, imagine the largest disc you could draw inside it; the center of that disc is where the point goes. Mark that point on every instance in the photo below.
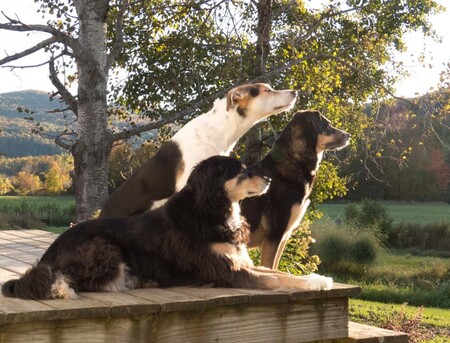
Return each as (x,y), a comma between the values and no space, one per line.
(52,213)
(397,277)
(374,313)
(60,200)
(400,212)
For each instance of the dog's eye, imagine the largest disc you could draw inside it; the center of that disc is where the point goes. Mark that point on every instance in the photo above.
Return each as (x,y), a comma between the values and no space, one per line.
(268,90)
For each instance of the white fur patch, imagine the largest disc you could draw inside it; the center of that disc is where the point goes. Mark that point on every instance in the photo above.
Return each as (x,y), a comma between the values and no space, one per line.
(316,282)
(61,288)
(319,159)
(235,220)
(123,281)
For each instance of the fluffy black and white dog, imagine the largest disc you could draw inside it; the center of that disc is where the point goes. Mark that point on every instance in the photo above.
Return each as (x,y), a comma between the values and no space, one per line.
(197,237)
(292,165)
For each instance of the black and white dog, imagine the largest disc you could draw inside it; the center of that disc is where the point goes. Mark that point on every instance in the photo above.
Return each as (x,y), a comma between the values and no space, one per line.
(292,165)
(213,133)
(197,237)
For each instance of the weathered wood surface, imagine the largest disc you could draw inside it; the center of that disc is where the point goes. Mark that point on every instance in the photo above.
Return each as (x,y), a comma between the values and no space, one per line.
(360,333)
(181,314)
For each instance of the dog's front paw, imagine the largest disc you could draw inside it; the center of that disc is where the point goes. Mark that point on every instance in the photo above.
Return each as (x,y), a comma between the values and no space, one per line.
(316,282)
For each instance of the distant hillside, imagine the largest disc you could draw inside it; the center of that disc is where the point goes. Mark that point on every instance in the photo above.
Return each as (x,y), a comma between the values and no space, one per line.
(16,139)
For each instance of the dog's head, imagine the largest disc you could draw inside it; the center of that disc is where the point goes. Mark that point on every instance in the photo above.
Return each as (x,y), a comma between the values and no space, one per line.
(221,180)
(309,130)
(259,100)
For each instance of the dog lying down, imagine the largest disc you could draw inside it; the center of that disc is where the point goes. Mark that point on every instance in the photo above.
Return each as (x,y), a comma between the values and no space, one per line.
(198,237)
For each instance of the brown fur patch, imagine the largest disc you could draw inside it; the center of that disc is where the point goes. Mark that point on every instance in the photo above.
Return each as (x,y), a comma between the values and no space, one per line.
(238,190)
(323,141)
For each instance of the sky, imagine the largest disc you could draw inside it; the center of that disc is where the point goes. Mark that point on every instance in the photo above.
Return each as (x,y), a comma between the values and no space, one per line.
(420,81)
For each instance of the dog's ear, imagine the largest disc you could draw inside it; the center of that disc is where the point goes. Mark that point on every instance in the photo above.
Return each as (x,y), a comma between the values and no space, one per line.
(316,121)
(206,180)
(233,96)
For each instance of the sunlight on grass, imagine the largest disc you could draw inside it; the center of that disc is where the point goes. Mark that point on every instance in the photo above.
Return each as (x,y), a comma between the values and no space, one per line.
(400,212)
(376,313)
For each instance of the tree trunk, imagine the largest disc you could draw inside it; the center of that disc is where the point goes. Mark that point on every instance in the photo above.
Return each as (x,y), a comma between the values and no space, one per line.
(253,137)
(91,151)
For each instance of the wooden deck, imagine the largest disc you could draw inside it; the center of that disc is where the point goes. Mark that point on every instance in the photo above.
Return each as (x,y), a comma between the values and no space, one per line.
(181,314)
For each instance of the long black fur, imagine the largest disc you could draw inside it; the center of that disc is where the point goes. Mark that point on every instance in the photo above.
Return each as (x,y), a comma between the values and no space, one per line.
(169,246)
(291,165)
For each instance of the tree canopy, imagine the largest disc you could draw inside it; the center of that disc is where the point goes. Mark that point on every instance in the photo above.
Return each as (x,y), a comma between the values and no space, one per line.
(177,56)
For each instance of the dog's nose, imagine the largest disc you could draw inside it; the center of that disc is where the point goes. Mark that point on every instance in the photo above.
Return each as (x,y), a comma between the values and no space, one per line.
(253,171)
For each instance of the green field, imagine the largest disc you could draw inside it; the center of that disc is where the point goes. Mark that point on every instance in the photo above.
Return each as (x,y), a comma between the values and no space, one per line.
(52,213)
(434,320)
(400,212)
(60,200)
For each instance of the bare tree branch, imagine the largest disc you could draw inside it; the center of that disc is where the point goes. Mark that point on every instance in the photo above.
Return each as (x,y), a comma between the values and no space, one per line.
(58,36)
(70,100)
(58,141)
(12,67)
(169,118)
(29,51)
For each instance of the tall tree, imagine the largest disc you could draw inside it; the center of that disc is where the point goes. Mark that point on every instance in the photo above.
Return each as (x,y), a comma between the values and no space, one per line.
(85,42)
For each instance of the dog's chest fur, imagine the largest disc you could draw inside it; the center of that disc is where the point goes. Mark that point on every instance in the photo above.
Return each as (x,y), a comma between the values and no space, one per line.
(280,210)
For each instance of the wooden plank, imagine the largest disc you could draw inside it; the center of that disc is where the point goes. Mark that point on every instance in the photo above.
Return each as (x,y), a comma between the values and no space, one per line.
(122,304)
(37,233)
(30,233)
(24,246)
(14,265)
(76,308)
(18,310)
(257,296)
(338,290)
(170,301)
(6,275)
(18,255)
(360,333)
(214,296)
(289,322)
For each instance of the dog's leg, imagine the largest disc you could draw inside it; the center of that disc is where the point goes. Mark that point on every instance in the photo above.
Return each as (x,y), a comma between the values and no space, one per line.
(288,234)
(268,252)
(288,281)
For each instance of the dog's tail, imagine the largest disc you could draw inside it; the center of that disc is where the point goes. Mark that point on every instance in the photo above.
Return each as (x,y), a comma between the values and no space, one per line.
(36,283)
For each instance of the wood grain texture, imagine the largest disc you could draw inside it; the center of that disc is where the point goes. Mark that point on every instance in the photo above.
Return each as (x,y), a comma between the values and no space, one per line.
(289,322)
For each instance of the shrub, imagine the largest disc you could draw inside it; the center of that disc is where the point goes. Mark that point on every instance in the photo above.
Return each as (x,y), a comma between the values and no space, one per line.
(430,236)
(344,250)
(363,250)
(296,258)
(31,216)
(352,214)
(369,214)
(334,247)
(19,221)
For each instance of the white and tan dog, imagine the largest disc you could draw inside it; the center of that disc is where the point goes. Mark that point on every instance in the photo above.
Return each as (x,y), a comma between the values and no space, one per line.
(213,133)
